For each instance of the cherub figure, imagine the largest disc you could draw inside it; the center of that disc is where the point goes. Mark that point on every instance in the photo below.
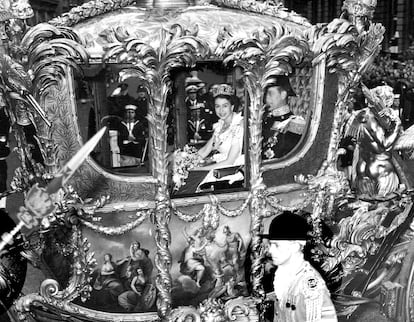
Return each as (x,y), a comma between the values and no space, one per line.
(377,130)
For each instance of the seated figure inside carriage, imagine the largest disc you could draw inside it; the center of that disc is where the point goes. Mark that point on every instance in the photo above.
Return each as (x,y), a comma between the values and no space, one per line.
(282,129)
(217,162)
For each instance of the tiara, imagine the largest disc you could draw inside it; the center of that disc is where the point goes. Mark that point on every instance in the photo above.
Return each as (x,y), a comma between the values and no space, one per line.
(222,89)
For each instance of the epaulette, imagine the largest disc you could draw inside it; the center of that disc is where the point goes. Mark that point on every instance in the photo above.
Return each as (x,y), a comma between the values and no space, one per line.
(313,291)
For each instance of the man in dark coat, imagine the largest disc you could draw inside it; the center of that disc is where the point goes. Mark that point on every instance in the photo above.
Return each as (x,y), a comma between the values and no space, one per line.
(131,133)
(281,129)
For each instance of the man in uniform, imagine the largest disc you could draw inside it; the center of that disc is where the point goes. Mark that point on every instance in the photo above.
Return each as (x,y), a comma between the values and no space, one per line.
(300,293)
(141,102)
(131,133)
(281,129)
(195,109)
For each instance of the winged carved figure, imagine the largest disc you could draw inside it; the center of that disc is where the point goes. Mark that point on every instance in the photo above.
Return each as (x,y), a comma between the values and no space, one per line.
(377,132)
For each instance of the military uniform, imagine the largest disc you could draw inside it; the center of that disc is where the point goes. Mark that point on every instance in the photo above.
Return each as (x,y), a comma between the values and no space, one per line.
(199,109)
(307,299)
(300,294)
(277,144)
(131,129)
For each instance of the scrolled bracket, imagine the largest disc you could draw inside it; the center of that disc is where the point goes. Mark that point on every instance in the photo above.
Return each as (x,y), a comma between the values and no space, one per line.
(79,282)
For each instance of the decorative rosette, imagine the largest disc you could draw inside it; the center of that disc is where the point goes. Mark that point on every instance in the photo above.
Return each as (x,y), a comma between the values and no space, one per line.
(185,159)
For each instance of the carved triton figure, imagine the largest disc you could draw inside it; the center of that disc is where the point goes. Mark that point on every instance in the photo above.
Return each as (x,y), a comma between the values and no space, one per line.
(377,131)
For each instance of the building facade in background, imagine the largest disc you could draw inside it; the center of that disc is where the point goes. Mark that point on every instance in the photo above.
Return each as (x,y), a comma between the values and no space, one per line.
(397,16)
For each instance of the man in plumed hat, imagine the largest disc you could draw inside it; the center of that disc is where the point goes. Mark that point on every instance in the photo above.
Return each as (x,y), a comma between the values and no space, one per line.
(281,129)
(300,294)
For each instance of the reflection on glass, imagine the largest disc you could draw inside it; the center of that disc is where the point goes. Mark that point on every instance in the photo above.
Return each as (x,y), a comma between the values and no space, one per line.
(122,107)
(217,164)
(281,129)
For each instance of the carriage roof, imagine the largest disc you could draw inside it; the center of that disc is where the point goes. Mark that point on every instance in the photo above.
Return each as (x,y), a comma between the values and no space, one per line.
(210,23)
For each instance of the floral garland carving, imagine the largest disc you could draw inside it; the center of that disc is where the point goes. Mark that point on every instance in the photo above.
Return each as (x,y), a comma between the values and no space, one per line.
(88,10)
(275,205)
(215,207)
(118,230)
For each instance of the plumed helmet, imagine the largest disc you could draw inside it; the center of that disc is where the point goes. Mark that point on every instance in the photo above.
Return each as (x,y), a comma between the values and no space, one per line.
(288,226)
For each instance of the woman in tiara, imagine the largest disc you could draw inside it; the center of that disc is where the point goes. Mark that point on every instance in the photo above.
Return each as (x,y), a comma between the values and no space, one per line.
(223,150)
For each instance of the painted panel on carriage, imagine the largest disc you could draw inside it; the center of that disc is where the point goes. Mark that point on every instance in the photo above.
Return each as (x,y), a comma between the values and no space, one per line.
(124,278)
(102,100)
(207,261)
(208,258)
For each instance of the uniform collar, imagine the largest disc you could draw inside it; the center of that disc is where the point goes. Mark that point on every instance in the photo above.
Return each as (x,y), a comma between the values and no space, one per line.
(279,111)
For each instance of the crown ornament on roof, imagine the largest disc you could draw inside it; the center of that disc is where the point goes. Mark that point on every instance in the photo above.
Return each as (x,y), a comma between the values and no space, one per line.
(222,89)
(360,8)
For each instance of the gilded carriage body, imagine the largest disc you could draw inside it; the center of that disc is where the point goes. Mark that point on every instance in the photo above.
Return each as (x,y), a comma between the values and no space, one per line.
(121,214)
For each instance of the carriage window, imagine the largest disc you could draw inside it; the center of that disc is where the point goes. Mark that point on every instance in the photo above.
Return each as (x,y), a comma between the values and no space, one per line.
(122,107)
(207,130)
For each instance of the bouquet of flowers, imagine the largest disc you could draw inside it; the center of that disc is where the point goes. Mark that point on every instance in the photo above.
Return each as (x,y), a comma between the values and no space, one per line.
(184,160)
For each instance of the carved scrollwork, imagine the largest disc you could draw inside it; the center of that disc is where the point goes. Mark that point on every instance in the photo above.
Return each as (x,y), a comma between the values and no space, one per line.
(361,233)
(241,308)
(79,283)
(182,314)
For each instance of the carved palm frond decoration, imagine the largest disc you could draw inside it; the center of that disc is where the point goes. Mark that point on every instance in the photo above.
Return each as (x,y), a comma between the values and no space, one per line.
(153,66)
(268,53)
(338,40)
(284,55)
(50,51)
